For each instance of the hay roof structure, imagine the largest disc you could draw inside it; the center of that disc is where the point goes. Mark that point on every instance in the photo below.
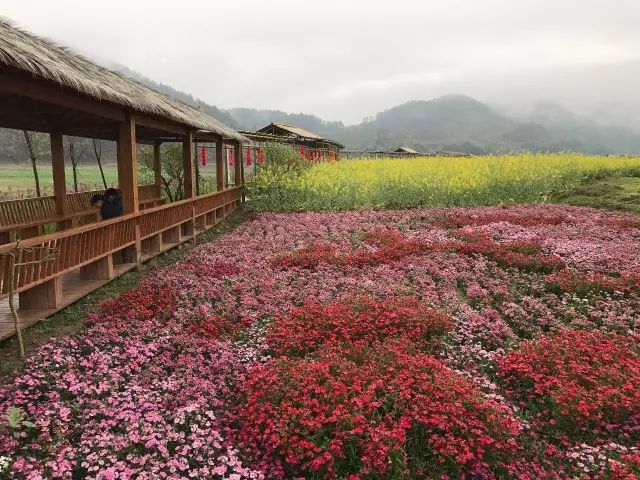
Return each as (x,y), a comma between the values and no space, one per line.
(43,59)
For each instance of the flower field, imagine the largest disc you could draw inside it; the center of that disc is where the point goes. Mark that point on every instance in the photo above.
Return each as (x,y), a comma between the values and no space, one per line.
(431,181)
(496,342)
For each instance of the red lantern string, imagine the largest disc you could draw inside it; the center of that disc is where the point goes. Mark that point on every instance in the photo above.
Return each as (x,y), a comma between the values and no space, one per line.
(230,156)
(249,161)
(260,156)
(203,156)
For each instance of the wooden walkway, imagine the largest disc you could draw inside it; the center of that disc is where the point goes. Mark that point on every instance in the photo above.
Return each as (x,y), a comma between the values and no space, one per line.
(73,289)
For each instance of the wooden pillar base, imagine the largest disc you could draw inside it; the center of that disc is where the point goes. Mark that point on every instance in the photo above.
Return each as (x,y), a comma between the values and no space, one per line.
(101,269)
(152,244)
(45,296)
(125,256)
(172,235)
(187,229)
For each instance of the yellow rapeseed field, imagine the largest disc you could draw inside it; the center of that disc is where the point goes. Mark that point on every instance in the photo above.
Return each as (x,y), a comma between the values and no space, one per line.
(431,181)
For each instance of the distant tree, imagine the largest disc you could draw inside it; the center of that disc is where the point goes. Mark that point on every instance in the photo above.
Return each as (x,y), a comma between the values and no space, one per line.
(97,150)
(77,150)
(171,169)
(36,146)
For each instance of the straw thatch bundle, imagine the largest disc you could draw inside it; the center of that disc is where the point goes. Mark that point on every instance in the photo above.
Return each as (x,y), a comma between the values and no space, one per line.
(44,59)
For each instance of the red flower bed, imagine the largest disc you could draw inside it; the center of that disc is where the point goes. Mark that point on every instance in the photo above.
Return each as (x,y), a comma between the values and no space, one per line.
(584,284)
(589,381)
(377,412)
(139,304)
(308,257)
(526,256)
(360,322)
(531,219)
(216,326)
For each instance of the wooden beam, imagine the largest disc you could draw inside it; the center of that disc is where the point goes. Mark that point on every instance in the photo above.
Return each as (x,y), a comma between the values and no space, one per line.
(127,165)
(26,86)
(220,161)
(59,180)
(157,168)
(187,163)
(160,124)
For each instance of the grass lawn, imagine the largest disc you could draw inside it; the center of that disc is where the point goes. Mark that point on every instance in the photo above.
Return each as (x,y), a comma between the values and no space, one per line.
(17,180)
(617,193)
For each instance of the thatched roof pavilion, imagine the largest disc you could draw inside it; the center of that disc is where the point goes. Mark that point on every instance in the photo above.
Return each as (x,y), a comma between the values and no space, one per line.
(47,88)
(23,54)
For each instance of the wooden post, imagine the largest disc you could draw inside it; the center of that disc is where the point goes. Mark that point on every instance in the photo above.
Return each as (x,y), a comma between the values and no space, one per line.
(187,163)
(128,175)
(220,165)
(237,162)
(157,168)
(59,181)
(127,165)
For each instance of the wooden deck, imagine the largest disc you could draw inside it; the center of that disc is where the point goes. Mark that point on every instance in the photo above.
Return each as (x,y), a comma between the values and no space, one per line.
(73,289)
(108,252)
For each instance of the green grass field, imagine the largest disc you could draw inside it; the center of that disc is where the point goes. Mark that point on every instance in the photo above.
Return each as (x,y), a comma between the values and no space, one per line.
(16,181)
(616,193)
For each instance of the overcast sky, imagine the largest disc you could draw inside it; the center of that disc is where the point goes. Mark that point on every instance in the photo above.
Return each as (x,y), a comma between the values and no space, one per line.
(346,59)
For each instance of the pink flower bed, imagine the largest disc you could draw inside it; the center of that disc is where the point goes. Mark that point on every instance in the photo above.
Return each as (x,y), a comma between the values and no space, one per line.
(447,343)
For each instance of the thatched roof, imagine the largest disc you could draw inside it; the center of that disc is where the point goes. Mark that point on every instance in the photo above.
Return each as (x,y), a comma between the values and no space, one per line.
(283,129)
(406,150)
(44,59)
(300,132)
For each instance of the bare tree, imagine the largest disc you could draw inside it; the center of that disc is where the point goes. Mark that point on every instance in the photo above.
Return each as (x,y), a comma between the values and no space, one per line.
(97,150)
(77,150)
(36,144)
(172,170)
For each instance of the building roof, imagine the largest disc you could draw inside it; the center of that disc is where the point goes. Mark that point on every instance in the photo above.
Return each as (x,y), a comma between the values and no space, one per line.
(406,150)
(300,132)
(44,59)
(292,130)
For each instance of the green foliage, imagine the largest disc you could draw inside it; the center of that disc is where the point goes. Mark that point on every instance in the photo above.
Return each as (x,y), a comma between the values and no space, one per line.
(17,421)
(282,164)
(171,168)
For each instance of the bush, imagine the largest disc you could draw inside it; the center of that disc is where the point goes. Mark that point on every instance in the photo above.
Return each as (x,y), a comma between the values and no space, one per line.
(356,324)
(588,382)
(381,412)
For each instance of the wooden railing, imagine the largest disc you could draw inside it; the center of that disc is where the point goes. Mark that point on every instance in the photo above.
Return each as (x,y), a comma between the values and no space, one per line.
(32,214)
(80,246)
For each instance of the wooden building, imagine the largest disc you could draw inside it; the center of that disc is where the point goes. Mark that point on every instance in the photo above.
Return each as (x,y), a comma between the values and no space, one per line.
(46,88)
(298,137)
(407,151)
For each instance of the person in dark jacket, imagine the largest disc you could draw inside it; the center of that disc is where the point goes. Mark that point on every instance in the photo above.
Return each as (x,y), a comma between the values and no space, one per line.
(110,203)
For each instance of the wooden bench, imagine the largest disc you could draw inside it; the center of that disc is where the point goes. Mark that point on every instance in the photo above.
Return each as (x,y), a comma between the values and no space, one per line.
(30,217)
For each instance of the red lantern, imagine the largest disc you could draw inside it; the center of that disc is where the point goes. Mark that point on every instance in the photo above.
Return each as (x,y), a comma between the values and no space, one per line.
(260,156)
(203,156)
(230,156)
(249,161)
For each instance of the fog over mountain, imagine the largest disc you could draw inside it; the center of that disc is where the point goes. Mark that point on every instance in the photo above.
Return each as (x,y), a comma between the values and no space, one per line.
(352,59)
(537,74)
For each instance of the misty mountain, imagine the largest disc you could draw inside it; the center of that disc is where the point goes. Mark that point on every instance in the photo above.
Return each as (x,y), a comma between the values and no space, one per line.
(461,123)
(205,107)
(449,123)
